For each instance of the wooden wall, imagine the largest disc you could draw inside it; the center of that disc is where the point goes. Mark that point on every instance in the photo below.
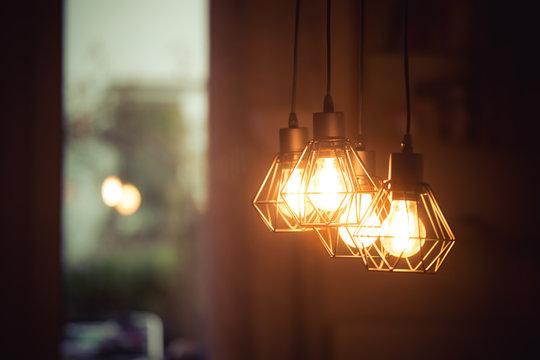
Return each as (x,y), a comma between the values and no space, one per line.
(277,296)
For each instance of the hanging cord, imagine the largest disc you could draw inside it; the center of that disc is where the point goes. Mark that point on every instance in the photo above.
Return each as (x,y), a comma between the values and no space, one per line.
(406,145)
(328,102)
(360,142)
(293,120)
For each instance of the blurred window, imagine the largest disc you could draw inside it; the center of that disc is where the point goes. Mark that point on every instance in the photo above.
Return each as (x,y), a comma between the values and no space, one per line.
(135,109)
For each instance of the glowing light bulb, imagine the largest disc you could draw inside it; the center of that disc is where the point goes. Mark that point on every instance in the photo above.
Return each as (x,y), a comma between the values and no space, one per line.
(111,191)
(131,200)
(402,232)
(327,186)
(350,217)
(292,194)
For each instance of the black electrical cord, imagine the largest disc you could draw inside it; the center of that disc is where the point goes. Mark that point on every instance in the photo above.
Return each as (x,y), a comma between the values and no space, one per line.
(328,102)
(360,143)
(407,141)
(328,52)
(293,120)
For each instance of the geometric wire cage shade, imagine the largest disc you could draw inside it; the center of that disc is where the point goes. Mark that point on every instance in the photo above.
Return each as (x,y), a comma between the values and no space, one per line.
(338,240)
(404,231)
(268,201)
(325,185)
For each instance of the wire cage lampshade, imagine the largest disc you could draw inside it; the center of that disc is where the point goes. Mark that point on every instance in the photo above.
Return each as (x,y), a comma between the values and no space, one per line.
(337,237)
(333,178)
(404,229)
(268,201)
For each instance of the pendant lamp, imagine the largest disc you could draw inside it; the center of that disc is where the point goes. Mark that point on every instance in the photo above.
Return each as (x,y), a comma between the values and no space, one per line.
(268,201)
(337,238)
(329,192)
(404,229)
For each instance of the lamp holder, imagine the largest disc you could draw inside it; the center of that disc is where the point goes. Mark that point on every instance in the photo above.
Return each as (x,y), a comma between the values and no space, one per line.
(406,173)
(292,139)
(328,125)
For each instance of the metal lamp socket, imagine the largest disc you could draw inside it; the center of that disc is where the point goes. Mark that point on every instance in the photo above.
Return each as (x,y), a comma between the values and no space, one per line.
(292,139)
(328,125)
(406,173)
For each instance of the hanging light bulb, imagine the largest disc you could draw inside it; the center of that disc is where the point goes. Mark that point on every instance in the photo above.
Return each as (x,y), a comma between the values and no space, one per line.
(331,168)
(329,192)
(411,234)
(327,187)
(337,236)
(402,232)
(268,201)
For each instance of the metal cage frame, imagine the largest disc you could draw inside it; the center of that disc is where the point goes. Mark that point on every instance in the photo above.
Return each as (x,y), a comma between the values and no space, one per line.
(268,201)
(350,168)
(434,245)
(355,180)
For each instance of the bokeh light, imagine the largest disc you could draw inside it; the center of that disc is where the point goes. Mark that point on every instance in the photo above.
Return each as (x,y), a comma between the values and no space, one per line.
(130,201)
(111,191)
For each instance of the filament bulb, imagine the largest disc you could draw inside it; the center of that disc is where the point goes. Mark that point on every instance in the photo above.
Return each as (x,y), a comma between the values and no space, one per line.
(403,232)
(327,187)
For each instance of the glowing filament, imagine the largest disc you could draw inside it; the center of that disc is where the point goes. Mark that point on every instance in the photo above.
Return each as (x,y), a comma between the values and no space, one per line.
(327,187)
(403,232)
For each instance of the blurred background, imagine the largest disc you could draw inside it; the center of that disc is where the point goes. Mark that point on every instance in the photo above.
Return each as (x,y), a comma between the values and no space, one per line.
(136,134)
(135,176)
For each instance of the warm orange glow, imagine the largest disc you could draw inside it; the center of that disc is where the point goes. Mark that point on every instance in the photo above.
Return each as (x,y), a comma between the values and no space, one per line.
(350,217)
(402,232)
(327,187)
(111,191)
(130,201)
(293,196)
